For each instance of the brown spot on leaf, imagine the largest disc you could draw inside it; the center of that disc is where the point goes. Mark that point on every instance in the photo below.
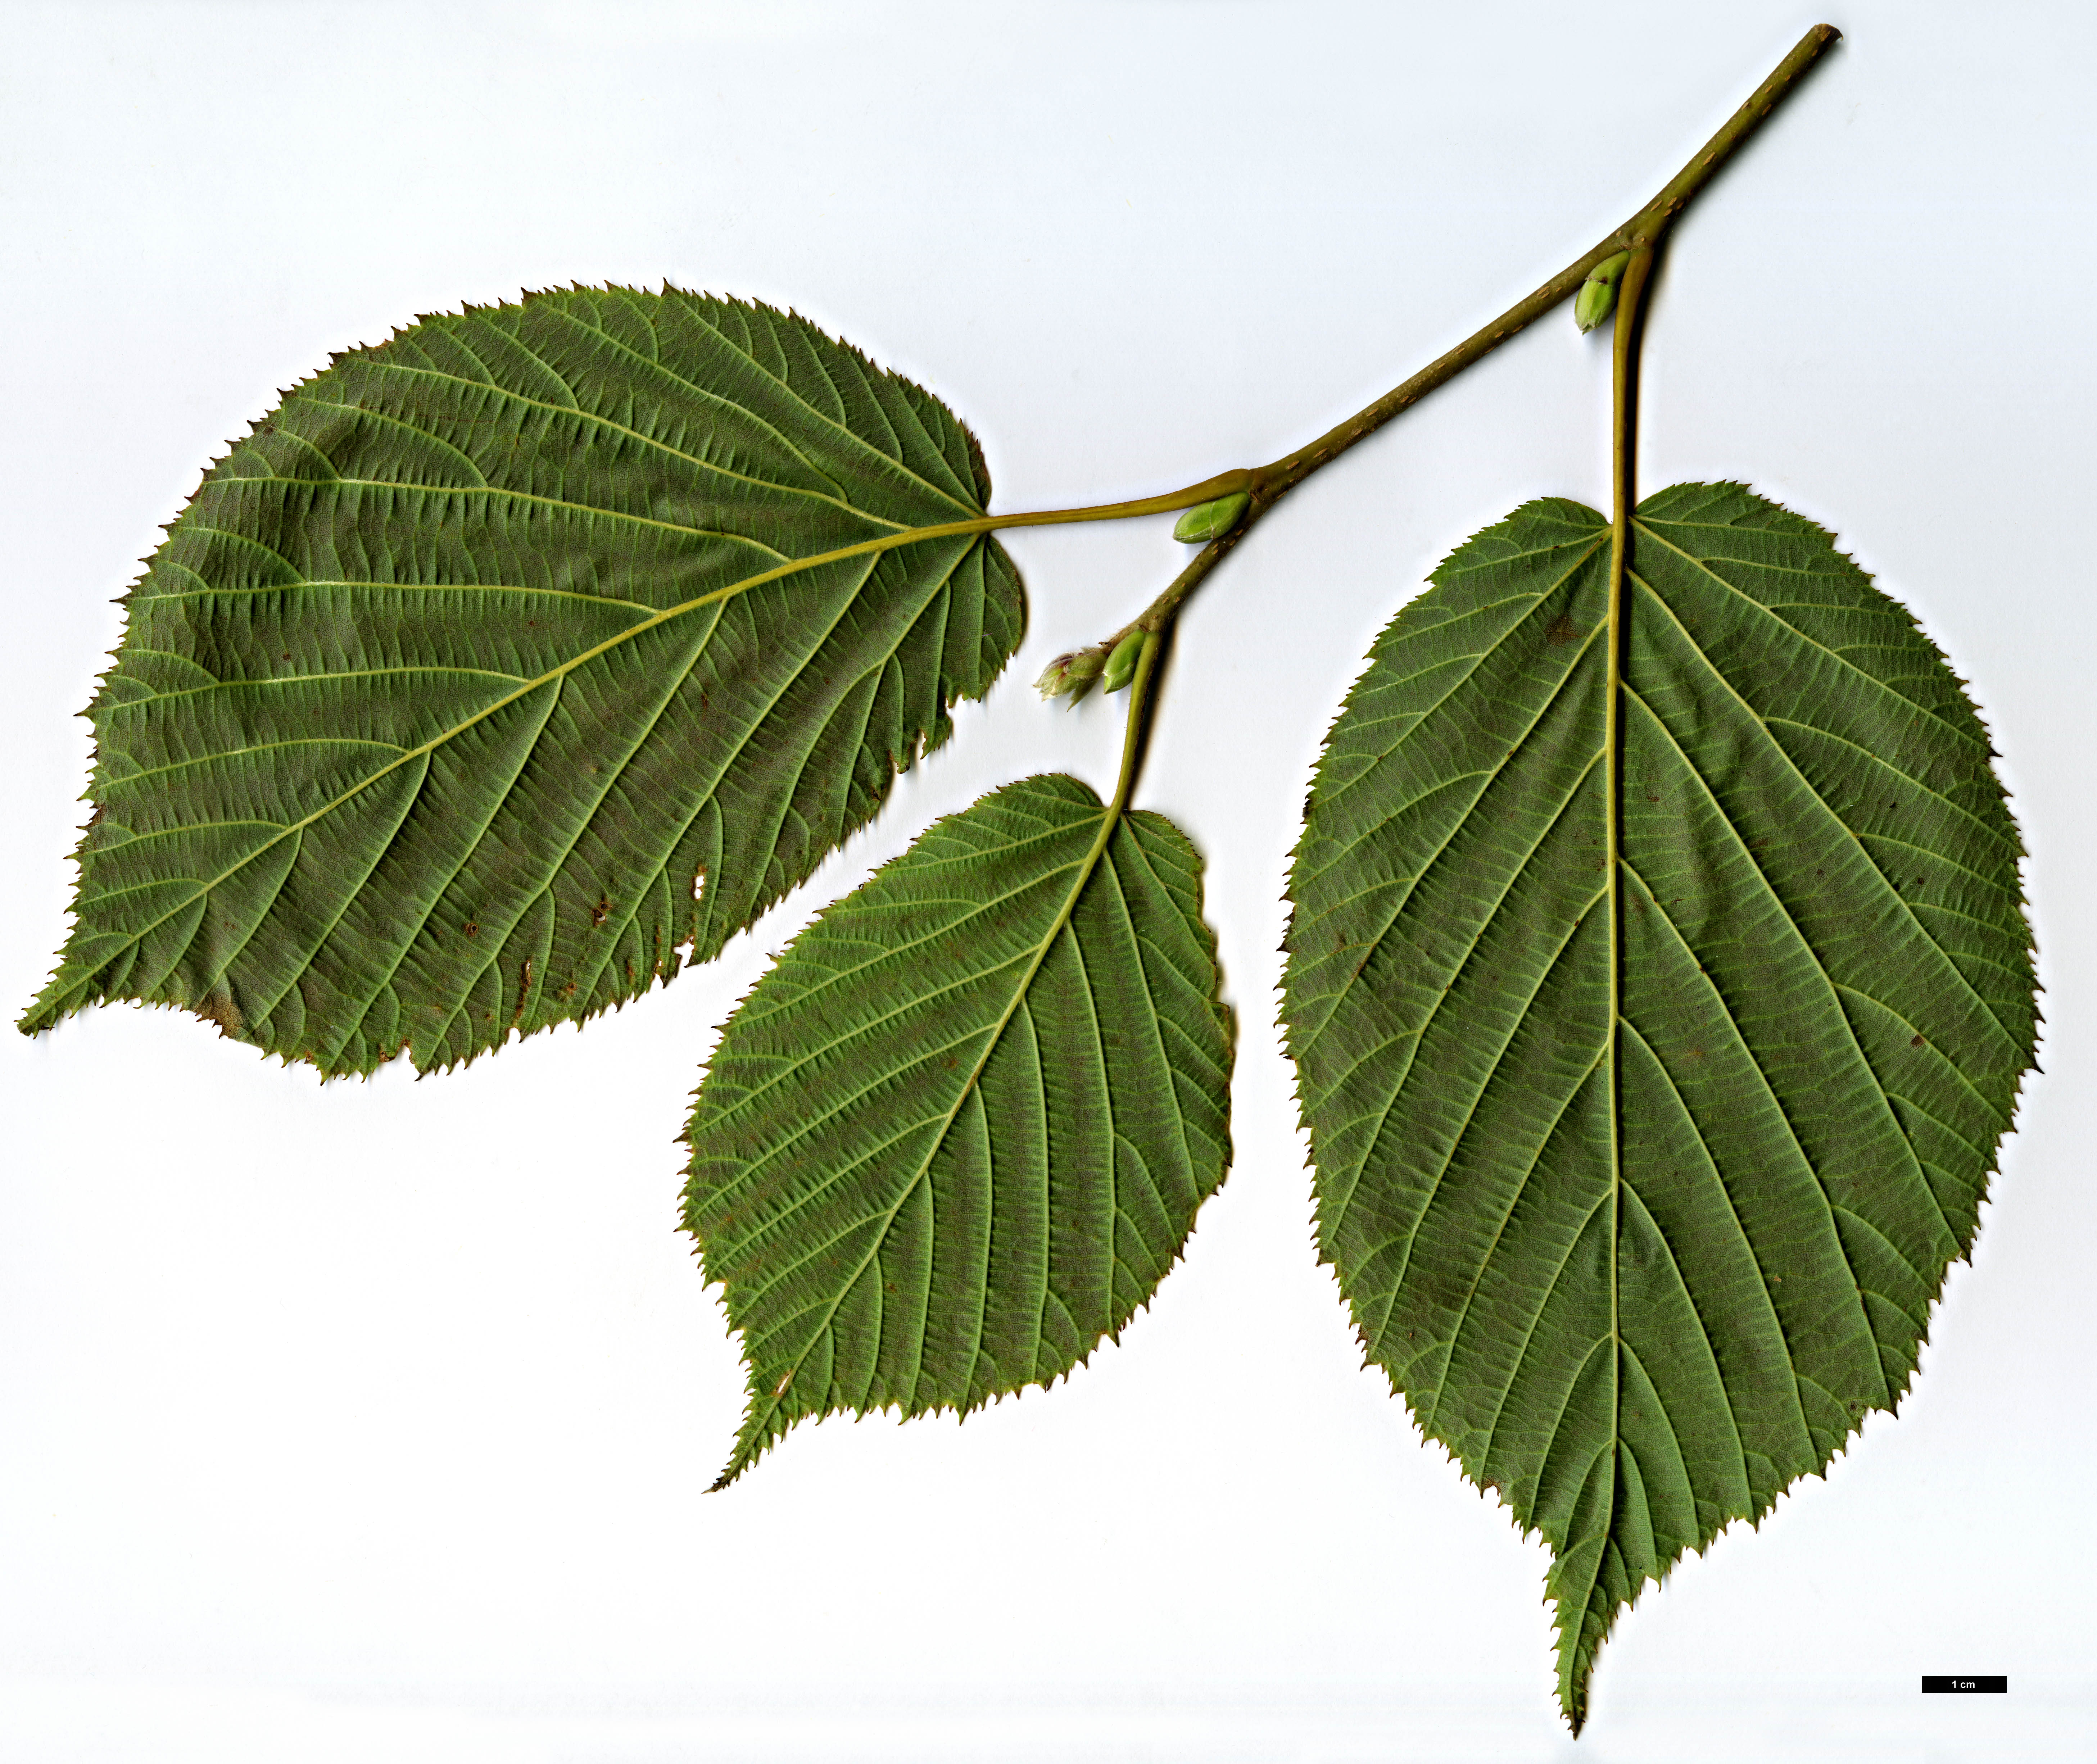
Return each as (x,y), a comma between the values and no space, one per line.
(1563,630)
(601,912)
(1918,1042)
(219,1009)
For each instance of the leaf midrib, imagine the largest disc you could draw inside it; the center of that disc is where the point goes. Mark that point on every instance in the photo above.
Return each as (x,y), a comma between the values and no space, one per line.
(1111,816)
(1829,1206)
(953,529)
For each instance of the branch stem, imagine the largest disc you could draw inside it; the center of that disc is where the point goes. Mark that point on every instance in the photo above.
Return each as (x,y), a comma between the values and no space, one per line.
(1645,228)
(1268,483)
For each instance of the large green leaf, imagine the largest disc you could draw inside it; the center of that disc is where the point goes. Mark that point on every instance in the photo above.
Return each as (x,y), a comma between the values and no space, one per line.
(462,673)
(1641,1193)
(959,1133)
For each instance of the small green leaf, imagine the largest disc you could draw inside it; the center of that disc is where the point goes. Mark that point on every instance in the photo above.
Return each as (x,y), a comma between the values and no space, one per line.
(506,657)
(1212,520)
(1643,1139)
(959,1133)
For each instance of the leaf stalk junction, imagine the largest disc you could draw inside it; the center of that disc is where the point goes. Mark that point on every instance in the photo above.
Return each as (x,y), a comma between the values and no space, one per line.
(1267,484)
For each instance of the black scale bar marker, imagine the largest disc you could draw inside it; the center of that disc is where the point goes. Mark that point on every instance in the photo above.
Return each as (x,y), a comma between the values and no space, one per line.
(1967,1683)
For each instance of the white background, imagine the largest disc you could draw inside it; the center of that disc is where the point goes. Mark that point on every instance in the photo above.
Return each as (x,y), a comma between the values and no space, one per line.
(371,1420)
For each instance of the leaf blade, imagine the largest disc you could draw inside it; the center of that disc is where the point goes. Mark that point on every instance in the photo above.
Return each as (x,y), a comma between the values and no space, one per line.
(994,1078)
(661,636)
(1822,1011)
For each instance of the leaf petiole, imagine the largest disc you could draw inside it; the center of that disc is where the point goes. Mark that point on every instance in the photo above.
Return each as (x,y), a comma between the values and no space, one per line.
(1131,740)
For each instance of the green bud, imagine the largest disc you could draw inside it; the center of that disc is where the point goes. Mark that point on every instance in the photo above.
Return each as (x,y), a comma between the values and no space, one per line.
(1597,298)
(1072,674)
(1212,520)
(1593,304)
(1121,665)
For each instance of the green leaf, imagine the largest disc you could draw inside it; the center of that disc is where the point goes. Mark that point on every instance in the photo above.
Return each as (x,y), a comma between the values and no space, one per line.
(1641,1167)
(458,675)
(959,1133)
